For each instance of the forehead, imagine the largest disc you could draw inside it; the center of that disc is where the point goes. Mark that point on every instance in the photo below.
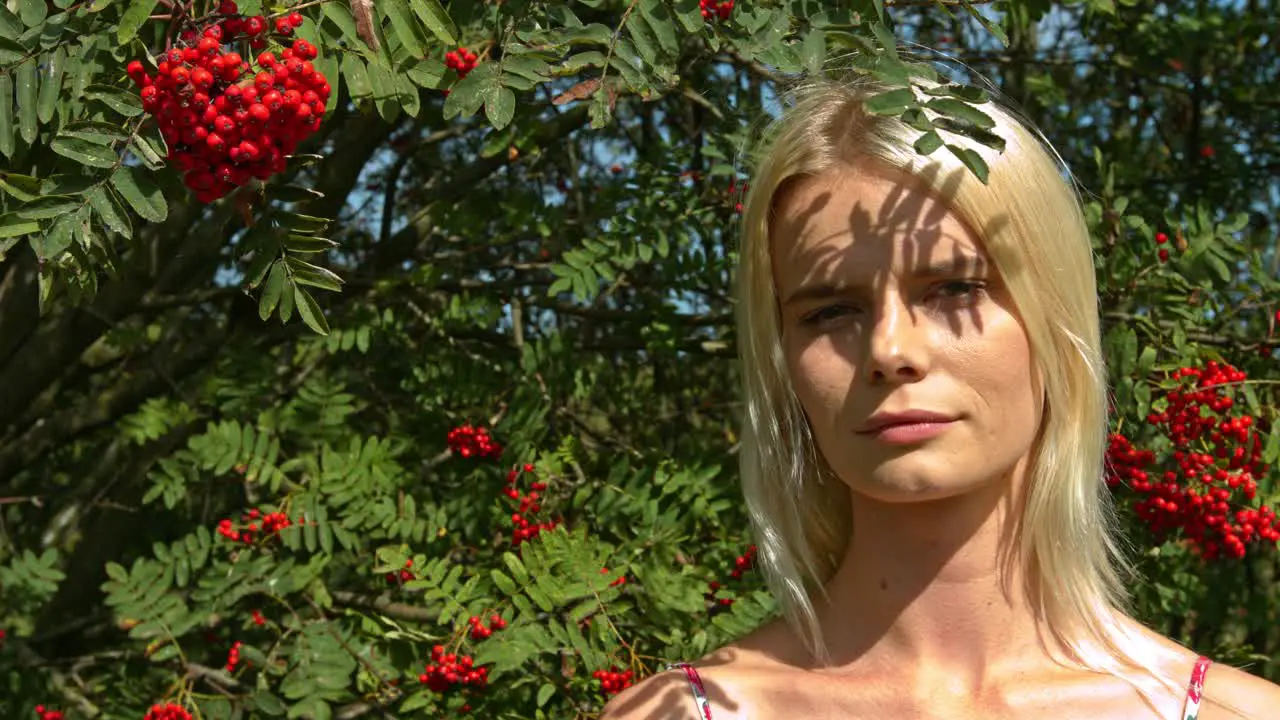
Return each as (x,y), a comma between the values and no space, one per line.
(866,220)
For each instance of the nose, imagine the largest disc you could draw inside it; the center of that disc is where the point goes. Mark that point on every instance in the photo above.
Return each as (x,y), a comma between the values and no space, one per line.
(896,347)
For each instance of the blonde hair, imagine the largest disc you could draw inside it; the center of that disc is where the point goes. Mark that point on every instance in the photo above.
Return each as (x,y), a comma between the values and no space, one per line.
(1030,220)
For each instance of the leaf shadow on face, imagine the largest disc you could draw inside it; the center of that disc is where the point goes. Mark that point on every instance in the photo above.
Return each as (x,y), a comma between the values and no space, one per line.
(911,210)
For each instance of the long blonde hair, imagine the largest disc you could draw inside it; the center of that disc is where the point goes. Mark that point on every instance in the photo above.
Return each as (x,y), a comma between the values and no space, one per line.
(1029,217)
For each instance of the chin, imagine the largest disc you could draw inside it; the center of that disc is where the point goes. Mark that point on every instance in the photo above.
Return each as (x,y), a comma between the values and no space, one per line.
(900,493)
(908,480)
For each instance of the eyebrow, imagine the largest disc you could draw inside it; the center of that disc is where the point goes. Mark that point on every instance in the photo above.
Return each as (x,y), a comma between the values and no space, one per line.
(957,265)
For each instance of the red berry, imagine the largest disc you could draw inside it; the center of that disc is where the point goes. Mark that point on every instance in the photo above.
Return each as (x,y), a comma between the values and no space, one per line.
(295,19)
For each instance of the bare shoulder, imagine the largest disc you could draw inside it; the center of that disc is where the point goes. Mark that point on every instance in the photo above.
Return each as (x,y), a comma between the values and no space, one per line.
(729,677)
(668,695)
(1234,694)
(661,696)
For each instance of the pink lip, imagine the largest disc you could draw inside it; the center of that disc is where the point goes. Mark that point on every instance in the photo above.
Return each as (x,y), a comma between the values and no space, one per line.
(907,433)
(876,423)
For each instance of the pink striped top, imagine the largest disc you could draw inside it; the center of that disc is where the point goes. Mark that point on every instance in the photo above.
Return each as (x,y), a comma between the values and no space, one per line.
(1190,710)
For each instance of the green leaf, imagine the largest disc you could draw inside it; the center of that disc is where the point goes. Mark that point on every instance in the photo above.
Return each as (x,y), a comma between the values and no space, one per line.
(145,149)
(311,314)
(886,39)
(32,12)
(108,207)
(48,207)
(504,583)
(962,111)
(51,83)
(467,95)
(927,143)
(969,130)
(1146,361)
(95,131)
(972,94)
(141,192)
(1234,224)
(545,692)
(516,567)
(406,26)
(10,25)
(25,79)
(11,51)
(122,101)
(307,274)
(384,92)
(575,63)
(7,137)
(59,237)
(24,188)
(132,19)
(308,243)
(499,106)
(356,75)
(436,20)
(272,290)
(1218,266)
(971,160)
(892,102)
(84,152)
(267,703)
(1271,453)
(12,226)
(984,21)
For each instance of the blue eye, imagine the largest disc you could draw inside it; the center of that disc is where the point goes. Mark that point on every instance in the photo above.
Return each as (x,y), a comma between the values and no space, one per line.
(962,289)
(825,314)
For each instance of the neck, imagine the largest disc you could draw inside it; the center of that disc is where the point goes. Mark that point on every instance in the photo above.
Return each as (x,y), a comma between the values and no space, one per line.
(933,586)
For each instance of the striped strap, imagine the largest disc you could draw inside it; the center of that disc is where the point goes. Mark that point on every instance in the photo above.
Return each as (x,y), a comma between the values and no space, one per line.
(1196,689)
(695,684)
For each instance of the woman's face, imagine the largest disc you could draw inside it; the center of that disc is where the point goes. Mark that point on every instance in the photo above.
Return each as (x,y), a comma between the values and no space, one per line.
(891,306)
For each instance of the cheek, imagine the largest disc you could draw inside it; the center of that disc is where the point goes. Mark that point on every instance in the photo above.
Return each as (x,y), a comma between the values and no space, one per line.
(1003,374)
(821,377)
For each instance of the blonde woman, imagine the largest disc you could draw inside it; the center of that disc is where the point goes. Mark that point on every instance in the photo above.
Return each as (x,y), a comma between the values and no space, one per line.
(922,454)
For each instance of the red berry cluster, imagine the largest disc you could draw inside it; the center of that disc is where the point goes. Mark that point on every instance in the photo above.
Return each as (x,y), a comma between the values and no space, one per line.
(447,671)
(742,564)
(233,656)
(622,579)
(528,504)
(479,631)
(1216,452)
(1161,239)
(613,682)
(469,441)
(462,61)
(285,25)
(403,576)
(737,193)
(253,525)
(712,9)
(44,714)
(258,619)
(168,711)
(225,124)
